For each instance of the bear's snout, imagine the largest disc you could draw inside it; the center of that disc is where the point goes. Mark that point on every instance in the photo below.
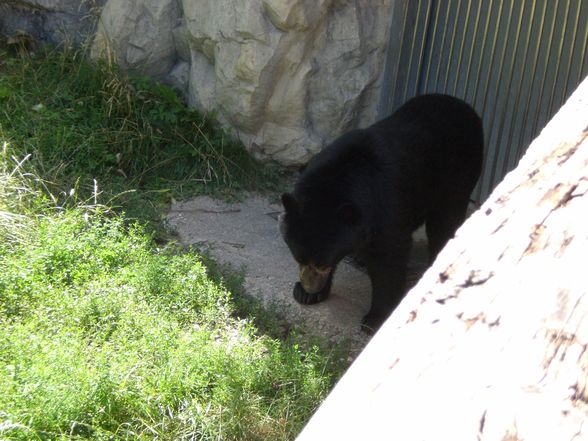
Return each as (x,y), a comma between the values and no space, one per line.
(314,279)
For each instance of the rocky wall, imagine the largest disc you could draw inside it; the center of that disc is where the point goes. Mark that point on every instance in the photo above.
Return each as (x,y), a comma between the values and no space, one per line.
(50,21)
(287,76)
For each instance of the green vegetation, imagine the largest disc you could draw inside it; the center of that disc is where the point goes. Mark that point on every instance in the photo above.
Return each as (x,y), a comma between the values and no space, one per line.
(82,120)
(105,333)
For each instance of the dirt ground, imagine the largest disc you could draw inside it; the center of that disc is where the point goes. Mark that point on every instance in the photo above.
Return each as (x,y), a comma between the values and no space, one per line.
(245,236)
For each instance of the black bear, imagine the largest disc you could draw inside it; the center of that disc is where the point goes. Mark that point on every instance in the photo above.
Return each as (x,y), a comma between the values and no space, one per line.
(367,192)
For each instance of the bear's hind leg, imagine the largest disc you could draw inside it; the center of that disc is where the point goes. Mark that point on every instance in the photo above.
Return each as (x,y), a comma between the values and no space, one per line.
(442,224)
(387,271)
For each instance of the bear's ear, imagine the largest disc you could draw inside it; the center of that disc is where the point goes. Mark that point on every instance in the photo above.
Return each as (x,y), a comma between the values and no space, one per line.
(289,203)
(349,213)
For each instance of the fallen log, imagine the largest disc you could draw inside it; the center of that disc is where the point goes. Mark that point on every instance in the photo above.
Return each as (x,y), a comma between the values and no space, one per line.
(492,343)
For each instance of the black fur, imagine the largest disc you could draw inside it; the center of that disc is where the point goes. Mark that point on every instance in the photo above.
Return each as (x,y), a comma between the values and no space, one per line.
(367,192)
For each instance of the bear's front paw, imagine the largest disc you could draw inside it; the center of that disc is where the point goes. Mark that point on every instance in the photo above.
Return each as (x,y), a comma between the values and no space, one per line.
(372,322)
(305,298)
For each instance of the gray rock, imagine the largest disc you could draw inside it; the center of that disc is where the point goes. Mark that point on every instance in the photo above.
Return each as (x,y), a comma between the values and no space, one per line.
(51,21)
(178,77)
(287,76)
(138,35)
(182,39)
(201,73)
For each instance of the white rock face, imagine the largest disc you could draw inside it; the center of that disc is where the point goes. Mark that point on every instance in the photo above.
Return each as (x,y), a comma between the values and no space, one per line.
(288,76)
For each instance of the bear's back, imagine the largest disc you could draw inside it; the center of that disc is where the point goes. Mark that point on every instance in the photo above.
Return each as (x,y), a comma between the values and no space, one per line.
(429,148)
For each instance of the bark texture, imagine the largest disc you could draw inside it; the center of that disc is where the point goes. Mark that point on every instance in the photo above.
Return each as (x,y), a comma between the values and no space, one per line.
(492,343)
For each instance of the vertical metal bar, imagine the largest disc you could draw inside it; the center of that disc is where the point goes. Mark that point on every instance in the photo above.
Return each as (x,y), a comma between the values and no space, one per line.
(542,88)
(423,51)
(411,53)
(442,53)
(392,60)
(572,50)
(401,46)
(461,47)
(494,44)
(584,51)
(535,59)
(484,36)
(471,54)
(504,150)
(509,133)
(585,42)
(559,54)
(451,46)
(479,189)
(432,46)
(496,88)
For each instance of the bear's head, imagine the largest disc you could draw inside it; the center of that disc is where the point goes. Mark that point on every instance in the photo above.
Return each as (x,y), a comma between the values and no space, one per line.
(319,232)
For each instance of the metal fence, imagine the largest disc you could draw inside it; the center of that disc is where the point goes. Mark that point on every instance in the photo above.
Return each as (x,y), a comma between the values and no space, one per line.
(515,61)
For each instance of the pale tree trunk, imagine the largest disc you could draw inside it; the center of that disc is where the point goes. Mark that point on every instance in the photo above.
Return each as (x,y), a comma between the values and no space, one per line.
(492,343)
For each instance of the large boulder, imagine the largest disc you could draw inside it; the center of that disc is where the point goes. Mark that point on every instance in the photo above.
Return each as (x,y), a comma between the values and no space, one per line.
(287,76)
(138,34)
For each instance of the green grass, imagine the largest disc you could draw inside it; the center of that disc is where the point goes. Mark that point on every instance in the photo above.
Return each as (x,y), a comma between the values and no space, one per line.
(82,121)
(106,332)
(102,335)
